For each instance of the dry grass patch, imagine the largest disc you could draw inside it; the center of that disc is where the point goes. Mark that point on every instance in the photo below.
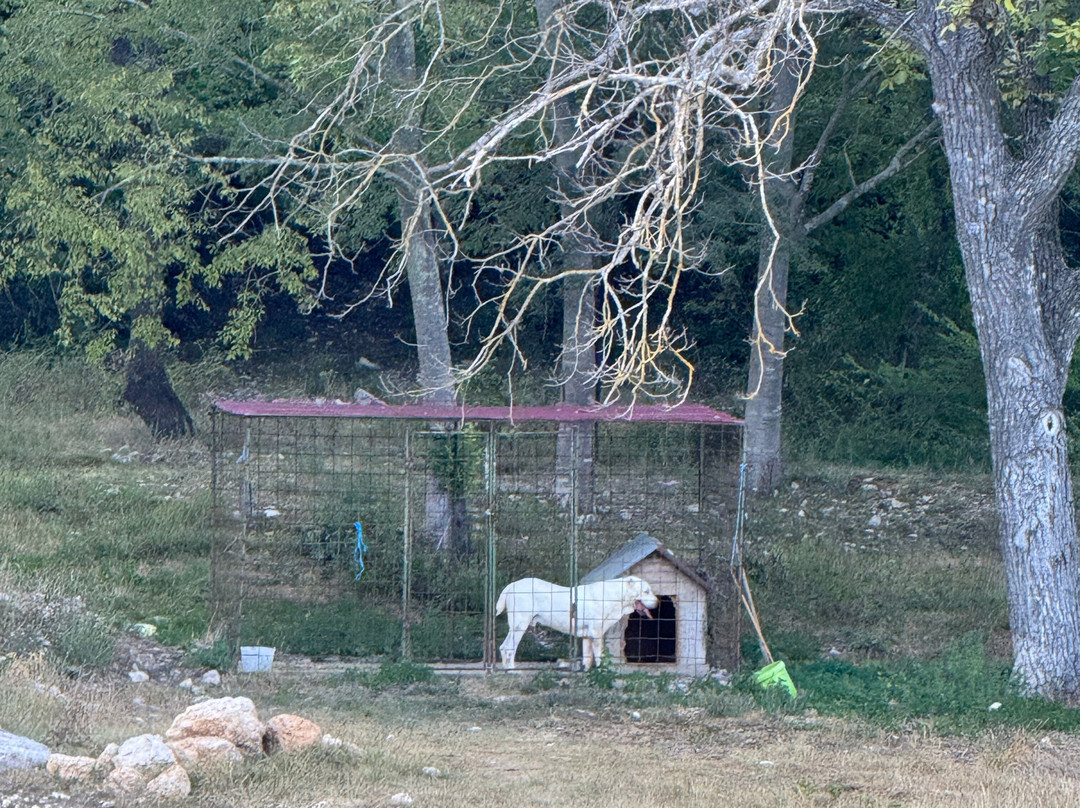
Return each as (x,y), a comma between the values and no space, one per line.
(567,746)
(77,716)
(684,761)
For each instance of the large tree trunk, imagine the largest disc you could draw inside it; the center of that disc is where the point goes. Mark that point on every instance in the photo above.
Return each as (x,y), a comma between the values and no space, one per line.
(446,524)
(1011,251)
(149,391)
(435,378)
(577,361)
(575,448)
(765,383)
(446,520)
(787,192)
(762,412)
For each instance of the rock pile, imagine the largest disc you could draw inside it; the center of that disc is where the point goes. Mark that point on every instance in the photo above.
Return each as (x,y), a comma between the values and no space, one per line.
(217,732)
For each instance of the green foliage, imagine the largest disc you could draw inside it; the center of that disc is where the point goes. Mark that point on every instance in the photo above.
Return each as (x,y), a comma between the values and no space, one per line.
(602,675)
(105,205)
(899,63)
(457,458)
(1040,40)
(888,368)
(440,634)
(390,674)
(402,673)
(953,693)
(791,646)
(220,656)
(932,414)
(318,629)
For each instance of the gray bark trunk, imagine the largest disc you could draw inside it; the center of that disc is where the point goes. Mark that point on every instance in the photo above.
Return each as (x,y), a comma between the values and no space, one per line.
(1011,256)
(787,204)
(577,361)
(445,520)
(765,383)
(762,413)
(575,449)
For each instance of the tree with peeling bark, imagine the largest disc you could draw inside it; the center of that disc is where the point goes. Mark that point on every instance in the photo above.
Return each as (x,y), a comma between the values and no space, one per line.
(446,522)
(788,189)
(1007,96)
(577,357)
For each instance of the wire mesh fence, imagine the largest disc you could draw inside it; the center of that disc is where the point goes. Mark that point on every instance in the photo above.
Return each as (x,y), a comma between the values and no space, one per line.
(383,532)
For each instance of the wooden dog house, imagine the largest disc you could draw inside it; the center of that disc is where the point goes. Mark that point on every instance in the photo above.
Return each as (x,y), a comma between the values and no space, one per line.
(675,636)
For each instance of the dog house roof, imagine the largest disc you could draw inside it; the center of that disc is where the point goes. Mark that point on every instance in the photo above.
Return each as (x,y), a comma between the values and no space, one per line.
(638,549)
(323,408)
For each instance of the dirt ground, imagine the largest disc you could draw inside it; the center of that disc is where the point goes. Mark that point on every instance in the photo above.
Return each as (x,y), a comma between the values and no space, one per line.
(493,742)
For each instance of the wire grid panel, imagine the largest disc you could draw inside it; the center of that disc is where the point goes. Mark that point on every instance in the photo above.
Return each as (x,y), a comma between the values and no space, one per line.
(449,518)
(445,590)
(288,494)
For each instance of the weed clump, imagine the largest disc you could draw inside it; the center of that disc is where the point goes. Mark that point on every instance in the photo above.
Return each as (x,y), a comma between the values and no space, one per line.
(602,675)
(391,674)
(220,656)
(58,629)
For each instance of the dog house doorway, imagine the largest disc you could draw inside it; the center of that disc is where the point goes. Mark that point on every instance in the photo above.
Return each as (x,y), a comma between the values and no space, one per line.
(653,640)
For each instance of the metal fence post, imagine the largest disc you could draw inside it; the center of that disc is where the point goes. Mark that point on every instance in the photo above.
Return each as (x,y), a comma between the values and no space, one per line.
(406,552)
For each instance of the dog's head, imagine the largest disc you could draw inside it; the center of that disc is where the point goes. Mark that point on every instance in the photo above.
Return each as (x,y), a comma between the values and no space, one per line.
(640,595)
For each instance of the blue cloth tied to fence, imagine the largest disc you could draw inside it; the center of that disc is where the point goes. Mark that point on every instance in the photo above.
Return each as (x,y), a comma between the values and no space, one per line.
(361,548)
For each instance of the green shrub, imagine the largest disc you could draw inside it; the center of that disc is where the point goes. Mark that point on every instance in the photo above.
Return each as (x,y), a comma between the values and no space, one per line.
(390,674)
(320,629)
(541,682)
(403,673)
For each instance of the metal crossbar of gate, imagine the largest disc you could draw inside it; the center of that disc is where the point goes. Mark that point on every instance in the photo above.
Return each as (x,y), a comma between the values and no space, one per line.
(388,532)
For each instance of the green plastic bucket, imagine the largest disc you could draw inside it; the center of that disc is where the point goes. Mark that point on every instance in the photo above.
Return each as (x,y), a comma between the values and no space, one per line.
(775,673)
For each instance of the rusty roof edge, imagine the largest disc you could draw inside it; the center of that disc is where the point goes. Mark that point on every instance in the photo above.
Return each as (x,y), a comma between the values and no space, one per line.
(642,413)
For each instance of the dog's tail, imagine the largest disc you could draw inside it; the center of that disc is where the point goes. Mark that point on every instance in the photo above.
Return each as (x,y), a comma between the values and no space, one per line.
(500,607)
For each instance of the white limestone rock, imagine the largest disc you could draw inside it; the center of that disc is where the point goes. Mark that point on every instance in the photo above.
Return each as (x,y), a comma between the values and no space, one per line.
(17,752)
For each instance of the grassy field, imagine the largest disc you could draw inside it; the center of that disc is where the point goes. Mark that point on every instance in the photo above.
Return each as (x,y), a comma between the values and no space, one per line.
(883,592)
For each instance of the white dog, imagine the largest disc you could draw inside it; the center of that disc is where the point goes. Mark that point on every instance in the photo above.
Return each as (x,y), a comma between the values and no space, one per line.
(599,606)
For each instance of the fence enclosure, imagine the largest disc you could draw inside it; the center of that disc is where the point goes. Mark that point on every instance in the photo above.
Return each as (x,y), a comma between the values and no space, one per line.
(448,505)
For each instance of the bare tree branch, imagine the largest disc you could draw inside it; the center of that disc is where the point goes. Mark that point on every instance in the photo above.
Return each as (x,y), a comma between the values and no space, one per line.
(905,25)
(651,80)
(806,183)
(902,158)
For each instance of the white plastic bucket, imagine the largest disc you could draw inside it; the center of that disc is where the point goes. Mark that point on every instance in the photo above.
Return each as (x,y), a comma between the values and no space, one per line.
(255,659)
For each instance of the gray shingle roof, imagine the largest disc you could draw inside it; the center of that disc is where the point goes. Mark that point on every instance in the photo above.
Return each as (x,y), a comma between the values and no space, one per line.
(638,549)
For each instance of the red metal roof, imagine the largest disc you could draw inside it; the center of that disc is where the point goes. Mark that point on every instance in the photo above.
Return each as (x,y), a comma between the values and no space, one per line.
(325,408)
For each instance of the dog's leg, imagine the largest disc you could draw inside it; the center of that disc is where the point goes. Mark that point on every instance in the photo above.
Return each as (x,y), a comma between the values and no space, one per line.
(508,649)
(586,655)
